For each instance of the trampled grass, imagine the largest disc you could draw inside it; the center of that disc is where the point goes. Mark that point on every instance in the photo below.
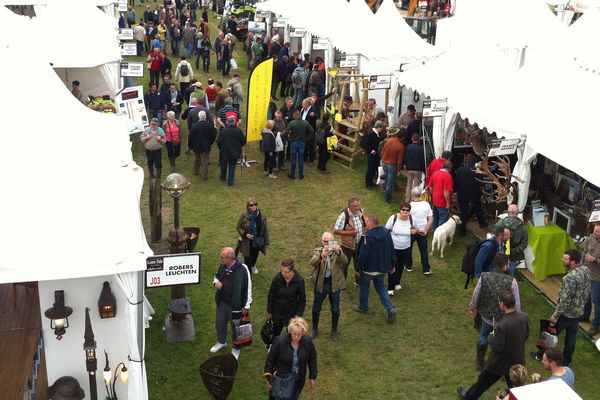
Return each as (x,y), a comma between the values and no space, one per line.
(426,354)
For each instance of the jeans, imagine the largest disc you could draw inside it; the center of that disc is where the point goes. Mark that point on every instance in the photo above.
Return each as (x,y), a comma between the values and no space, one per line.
(365,283)
(298,96)
(297,155)
(175,46)
(390,178)
(226,66)
(228,164)
(596,303)
(422,243)
(155,77)
(334,298)
(440,215)
(205,60)
(372,164)
(401,261)
(570,324)
(486,329)
(188,49)
(219,64)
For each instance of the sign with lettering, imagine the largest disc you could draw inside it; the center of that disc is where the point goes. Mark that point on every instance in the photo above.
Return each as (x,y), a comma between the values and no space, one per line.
(125,34)
(503,147)
(348,60)
(319,44)
(297,32)
(380,82)
(434,108)
(173,269)
(128,49)
(130,102)
(256,27)
(135,69)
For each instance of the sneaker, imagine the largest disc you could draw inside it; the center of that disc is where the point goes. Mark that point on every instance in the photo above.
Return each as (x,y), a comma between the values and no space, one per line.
(254,269)
(408,269)
(428,272)
(236,353)
(217,347)
(358,309)
(272,176)
(398,287)
(392,316)
(391,293)
(266,173)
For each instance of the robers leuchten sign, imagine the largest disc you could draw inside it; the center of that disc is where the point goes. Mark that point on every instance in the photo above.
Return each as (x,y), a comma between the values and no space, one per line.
(173,269)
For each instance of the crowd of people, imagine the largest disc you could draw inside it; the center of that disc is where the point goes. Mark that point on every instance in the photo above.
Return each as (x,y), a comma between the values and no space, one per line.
(298,132)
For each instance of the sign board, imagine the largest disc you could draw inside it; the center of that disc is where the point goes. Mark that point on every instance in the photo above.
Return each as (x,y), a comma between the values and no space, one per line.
(595,214)
(502,147)
(297,32)
(173,269)
(122,4)
(130,102)
(125,34)
(135,69)
(434,108)
(348,60)
(279,23)
(380,82)
(256,27)
(319,44)
(262,14)
(128,49)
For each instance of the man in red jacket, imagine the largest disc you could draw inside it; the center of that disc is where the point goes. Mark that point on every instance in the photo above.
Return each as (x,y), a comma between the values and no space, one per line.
(436,165)
(441,187)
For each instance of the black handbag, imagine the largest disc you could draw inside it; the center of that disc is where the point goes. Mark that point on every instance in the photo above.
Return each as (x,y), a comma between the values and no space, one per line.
(283,386)
(258,242)
(266,333)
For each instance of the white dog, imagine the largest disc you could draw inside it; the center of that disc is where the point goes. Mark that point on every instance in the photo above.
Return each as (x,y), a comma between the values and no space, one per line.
(445,234)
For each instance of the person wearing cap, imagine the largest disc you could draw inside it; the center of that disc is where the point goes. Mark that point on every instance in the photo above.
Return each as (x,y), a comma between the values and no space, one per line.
(236,92)
(392,160)
(406,118)
(199,93)
(153,138)
(230,142)
(369,141)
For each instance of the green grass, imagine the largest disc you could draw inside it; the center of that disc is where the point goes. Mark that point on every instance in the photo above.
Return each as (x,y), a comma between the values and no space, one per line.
(426,354)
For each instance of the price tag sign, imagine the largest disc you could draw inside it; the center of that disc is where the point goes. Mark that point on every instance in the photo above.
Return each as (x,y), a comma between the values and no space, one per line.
(173,269)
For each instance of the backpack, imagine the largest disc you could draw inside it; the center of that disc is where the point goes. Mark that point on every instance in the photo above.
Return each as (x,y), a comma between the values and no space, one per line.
(315,78)
(396,217)
(468,261)
(231,114)
(320,135)
(347,217)
(297,78)
(184,70)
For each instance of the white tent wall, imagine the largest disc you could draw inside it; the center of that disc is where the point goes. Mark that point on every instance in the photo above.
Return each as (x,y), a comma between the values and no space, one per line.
(66,356)
(96,81)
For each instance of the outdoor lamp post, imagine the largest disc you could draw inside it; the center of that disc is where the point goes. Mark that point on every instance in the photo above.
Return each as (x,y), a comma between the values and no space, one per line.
(107,303)
(123,374)
(91,362)
(59,314)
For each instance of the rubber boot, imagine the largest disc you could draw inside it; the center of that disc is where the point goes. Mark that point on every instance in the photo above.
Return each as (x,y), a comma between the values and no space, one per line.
(481,350)
(315,323)
(335,317)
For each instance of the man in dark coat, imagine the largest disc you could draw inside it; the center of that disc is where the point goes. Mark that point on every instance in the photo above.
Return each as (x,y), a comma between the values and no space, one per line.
(202,136)
(310,114)
(370,144)
(468,191)
(287,296)
(508,348)
(230,142)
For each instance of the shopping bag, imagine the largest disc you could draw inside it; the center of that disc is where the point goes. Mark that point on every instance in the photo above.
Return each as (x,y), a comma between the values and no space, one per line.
(233,64)
(380,176)
(332,143)
(242,332)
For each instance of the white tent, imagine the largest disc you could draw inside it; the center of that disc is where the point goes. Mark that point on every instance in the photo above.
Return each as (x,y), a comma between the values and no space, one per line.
(582,37)
(71,215)
(93,53)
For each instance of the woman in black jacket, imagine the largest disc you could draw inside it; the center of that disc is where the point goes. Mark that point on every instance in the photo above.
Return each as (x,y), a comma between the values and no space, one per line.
(267,146)
(287,297)
(325,131)
(254,233)
(291,354)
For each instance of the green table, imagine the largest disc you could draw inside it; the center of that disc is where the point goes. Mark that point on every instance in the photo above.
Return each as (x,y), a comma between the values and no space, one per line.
(548,244)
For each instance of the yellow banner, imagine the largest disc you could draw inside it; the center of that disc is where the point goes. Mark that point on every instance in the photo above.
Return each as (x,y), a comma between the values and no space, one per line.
(259,95)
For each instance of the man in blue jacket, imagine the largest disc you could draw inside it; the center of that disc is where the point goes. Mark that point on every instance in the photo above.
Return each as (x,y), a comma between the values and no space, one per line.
(484,261)
(376,257)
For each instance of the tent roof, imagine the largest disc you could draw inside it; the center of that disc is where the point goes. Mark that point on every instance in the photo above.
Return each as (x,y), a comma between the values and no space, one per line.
(79,27)
(582,36)
(71,204)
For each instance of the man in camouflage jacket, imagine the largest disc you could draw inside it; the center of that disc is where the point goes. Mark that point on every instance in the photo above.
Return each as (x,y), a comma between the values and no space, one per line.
(573,294)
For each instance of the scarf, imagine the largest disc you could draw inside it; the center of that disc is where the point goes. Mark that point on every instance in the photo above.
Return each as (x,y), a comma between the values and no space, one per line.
(252,217)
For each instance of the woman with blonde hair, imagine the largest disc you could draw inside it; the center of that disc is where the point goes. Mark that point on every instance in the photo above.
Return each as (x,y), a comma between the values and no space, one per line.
(254,233)
(287,362)
(267,146)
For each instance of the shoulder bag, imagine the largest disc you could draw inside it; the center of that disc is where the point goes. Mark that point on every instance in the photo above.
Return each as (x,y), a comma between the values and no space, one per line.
(283,386)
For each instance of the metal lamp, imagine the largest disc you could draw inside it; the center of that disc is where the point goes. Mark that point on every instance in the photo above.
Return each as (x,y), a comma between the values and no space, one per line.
(91,361)
(59,314)
(107,303)
(123,374)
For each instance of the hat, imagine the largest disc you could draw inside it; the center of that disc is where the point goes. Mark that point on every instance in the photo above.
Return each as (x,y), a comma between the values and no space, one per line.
(198,84)
(393,132)
(66,388)
(411,108)
(230,120)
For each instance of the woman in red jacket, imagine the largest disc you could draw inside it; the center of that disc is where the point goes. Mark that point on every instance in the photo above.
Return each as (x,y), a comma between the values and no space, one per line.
(173,133)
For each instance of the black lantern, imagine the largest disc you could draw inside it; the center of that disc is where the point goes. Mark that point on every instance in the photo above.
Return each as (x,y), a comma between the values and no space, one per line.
(107,303)
(59,314)
(91,362)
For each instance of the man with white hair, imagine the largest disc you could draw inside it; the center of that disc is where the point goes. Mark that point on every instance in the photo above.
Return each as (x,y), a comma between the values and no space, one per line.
(202,136)
(518,237)
(328,280)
